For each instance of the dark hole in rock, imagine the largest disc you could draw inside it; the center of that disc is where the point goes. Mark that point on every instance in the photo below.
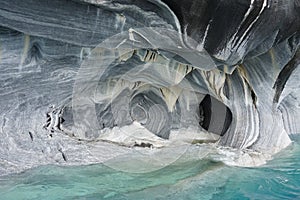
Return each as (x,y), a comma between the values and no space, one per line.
(215,117)
(148,145)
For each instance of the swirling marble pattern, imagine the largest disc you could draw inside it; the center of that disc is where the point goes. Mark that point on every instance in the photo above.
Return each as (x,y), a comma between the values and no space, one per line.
(71,72)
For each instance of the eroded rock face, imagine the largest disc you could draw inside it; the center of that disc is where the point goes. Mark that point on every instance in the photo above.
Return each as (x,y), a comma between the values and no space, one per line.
(74,71)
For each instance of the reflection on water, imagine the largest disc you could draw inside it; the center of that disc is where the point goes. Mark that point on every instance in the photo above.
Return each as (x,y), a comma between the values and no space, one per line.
(205,179)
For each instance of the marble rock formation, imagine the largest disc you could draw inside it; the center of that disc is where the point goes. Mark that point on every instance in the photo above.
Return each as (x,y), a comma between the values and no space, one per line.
(76,73)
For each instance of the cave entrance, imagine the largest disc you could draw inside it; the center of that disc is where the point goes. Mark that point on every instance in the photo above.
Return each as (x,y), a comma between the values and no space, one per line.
(215,116)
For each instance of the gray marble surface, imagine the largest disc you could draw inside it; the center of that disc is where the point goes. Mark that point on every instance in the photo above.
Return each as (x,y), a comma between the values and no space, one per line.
(72,70)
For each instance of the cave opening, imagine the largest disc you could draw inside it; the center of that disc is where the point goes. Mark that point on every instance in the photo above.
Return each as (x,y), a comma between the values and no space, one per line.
(215,116)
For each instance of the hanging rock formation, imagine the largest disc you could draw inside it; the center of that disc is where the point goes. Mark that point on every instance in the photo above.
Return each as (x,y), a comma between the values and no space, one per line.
(76,73)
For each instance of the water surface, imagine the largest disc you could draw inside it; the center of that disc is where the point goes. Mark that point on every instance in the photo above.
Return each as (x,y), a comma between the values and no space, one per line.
(204,179)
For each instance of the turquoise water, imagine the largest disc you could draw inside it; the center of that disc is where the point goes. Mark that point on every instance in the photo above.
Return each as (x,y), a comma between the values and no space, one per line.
(205,179)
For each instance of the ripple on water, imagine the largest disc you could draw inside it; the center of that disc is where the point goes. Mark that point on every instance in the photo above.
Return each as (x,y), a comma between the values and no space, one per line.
(201,179)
